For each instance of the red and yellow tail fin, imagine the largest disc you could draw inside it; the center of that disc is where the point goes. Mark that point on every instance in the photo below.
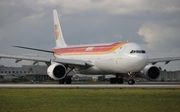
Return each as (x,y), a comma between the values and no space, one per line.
(58,33)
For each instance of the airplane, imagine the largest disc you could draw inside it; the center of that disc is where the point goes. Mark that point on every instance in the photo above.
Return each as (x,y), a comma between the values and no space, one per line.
(117,58)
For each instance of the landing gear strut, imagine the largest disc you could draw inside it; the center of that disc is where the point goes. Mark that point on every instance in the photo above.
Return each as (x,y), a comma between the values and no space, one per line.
(131,80)
(67,79)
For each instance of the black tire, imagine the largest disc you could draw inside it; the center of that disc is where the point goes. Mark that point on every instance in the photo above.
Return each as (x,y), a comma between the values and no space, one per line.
(61,81)
(68,80)
(131,81)
(120,80)
(113,81)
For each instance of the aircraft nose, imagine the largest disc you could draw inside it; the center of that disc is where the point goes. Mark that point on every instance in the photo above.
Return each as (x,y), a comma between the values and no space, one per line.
(137,62)
(141,58)
(140,61)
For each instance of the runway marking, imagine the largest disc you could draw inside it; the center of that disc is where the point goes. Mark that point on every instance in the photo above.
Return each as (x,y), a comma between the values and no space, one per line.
(84,86)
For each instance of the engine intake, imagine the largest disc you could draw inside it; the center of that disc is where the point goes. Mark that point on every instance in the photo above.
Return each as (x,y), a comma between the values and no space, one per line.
(150,72)
(56,71)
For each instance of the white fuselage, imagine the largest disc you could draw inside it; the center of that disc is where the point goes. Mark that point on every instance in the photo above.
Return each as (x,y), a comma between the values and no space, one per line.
(121,60)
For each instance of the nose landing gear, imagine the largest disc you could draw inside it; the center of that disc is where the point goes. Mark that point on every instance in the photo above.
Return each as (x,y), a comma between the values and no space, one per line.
(131,80)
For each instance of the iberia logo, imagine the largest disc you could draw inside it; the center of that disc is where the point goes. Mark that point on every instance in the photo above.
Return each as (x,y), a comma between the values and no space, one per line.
(56,32)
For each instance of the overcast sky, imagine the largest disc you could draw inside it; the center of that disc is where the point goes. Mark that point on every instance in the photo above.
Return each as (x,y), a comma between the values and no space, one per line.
(153,24)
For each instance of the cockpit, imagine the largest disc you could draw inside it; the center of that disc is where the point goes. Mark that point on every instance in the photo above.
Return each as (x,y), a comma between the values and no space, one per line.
(138,51)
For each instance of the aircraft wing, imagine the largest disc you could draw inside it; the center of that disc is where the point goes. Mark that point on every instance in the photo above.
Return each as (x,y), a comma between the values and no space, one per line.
(46,60)
(166,60)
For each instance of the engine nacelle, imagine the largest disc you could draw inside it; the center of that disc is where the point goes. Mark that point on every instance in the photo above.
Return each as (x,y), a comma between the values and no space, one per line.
(56,71)
(150,72)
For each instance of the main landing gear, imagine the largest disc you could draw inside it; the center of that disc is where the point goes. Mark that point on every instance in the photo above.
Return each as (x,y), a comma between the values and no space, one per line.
(67,79)
(117,79)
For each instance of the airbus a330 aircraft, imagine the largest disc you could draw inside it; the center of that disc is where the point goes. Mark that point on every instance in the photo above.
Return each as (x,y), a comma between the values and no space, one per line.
(117,58)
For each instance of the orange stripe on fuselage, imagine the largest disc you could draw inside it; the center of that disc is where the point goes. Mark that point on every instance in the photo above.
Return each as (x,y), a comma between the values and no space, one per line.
(88,50)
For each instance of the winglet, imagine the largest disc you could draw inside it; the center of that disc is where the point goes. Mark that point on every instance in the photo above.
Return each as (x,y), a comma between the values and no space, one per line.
(58,33)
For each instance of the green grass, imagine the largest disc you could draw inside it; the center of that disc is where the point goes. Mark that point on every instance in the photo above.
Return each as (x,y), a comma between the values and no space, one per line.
(89,100)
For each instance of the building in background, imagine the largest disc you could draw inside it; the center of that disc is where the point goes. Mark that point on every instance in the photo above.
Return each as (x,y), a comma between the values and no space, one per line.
(28,72)
(169,76)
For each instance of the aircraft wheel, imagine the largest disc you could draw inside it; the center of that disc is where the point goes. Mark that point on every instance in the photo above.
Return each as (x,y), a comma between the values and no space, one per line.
(131,81)
(68,80)
(113,81)
(61,81)
(120,80)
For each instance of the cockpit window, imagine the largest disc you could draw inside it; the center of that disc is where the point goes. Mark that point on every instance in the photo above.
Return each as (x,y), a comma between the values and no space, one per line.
(133,51)
(143,51)
(138,51)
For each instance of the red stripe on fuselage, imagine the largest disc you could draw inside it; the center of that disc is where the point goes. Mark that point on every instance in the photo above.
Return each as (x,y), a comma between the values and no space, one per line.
(80,50)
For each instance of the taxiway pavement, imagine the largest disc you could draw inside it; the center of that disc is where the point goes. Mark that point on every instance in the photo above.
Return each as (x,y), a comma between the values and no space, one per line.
(85,86)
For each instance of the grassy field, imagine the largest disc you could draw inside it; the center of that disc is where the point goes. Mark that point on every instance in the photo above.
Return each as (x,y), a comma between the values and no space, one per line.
(89,100)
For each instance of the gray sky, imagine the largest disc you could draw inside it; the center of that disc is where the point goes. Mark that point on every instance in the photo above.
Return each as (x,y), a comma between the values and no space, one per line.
(153,24)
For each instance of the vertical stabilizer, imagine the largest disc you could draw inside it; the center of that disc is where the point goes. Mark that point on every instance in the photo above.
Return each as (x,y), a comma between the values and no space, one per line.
(58,33)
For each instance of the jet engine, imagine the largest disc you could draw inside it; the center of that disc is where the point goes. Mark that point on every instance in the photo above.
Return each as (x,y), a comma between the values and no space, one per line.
(56,71)
(150,72)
